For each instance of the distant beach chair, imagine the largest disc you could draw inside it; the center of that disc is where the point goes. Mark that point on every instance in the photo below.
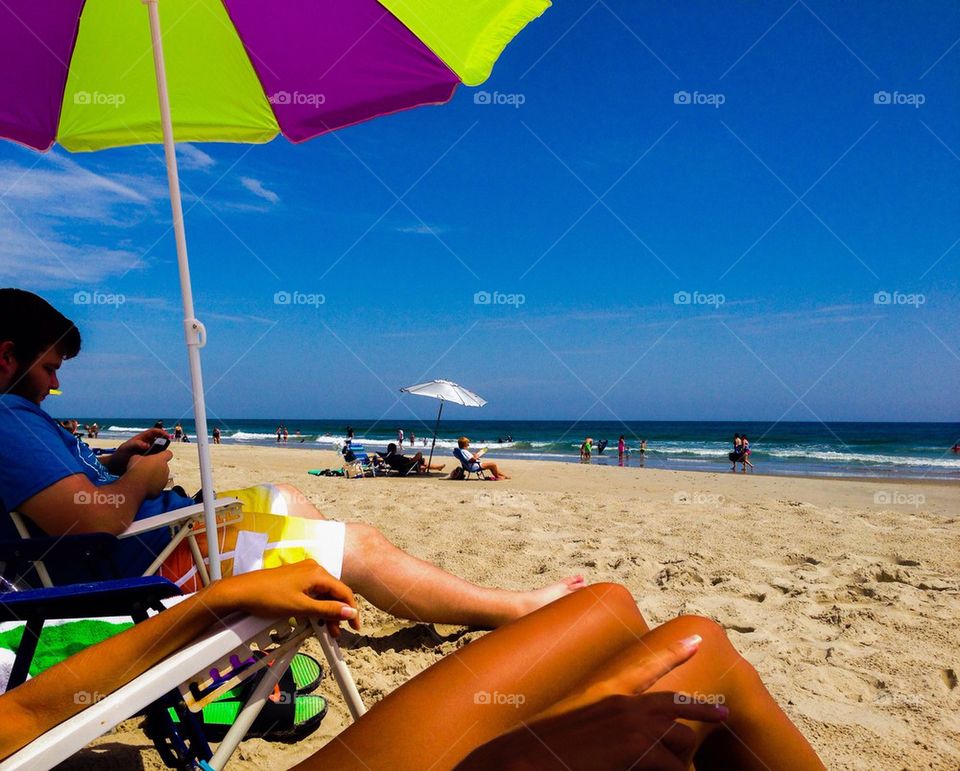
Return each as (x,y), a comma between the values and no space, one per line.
(403,465)
(356,453)
(470,467)
(203,671)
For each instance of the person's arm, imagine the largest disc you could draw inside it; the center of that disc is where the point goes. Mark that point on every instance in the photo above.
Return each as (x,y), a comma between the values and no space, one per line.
(301,589)
(117,461)
(74,505)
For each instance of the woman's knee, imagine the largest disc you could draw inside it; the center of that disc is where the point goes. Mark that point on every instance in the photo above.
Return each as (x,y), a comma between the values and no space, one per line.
(715,641)
(363,537)
(608,600)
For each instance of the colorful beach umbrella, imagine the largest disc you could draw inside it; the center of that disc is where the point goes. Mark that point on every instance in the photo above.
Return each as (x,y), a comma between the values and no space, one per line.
(445,391)
(93,74)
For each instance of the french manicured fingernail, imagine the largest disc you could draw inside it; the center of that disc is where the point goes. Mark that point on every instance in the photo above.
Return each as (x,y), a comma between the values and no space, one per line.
(692,642)
(724,712)
(347,612)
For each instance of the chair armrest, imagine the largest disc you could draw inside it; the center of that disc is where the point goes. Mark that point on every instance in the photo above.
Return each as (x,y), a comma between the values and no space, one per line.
(122,597)
(140,526)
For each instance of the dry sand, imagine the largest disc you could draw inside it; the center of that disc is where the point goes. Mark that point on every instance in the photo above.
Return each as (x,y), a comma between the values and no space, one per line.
(847,607)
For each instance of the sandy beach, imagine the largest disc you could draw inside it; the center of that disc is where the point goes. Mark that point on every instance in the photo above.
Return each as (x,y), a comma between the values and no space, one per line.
(843,593)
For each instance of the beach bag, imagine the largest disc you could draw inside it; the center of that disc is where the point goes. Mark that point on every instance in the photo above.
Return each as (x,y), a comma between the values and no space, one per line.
(457,473)
(353,470)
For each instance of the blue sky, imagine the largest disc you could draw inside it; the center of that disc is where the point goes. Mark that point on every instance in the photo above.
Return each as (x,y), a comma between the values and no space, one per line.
(732,155)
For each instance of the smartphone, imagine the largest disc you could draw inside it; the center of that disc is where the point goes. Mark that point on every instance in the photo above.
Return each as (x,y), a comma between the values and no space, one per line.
(159,445)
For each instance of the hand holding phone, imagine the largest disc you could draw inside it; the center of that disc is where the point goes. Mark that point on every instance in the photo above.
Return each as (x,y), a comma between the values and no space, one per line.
(159,445)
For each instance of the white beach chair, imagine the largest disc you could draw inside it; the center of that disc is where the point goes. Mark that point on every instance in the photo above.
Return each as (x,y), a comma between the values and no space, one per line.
(190,670)
(185,523)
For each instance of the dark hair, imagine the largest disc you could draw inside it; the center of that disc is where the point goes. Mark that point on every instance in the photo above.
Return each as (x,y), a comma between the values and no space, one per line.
(34,326)
(391,449)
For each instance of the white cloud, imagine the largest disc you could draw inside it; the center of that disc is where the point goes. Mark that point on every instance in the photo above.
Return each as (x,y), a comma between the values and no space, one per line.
(59,187)
(256,187)
(192,158)
(43,203)
(41,258)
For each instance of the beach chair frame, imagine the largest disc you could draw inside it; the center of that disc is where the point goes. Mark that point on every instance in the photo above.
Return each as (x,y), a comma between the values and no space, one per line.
(185,524)
(237,636)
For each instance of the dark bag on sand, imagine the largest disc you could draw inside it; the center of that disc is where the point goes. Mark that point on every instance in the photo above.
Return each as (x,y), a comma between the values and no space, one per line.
(457,473)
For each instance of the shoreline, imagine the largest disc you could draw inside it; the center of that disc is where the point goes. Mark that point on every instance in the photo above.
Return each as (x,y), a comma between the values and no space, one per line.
(604,461)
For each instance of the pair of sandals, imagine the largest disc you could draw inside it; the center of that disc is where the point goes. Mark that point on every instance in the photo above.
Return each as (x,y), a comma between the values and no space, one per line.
(290,713)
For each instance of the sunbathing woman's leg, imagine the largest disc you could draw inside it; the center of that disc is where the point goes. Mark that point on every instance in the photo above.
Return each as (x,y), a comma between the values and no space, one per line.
(408,587)
(757,735)
(514,674)
(493,469)
(490,685)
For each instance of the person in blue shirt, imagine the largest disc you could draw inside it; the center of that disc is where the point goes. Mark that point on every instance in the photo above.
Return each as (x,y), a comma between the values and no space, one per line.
(54,479)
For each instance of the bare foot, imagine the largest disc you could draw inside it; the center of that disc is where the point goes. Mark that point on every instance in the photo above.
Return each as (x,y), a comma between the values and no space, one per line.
(537,598)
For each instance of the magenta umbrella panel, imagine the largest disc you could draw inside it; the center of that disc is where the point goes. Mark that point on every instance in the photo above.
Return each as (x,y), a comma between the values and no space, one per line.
(80,72)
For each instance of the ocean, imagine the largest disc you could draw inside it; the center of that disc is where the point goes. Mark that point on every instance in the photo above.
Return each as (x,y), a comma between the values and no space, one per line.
(908,450)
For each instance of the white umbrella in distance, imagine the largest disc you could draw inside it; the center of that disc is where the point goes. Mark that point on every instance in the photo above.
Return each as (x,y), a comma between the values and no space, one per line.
(445,391)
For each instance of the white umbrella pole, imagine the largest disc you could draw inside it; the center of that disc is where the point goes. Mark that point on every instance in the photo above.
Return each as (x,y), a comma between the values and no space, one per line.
(195,333)
(436,427)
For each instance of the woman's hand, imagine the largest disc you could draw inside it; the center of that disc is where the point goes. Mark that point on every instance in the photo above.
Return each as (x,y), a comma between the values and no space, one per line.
(301,589)
(636,732)
(614,724)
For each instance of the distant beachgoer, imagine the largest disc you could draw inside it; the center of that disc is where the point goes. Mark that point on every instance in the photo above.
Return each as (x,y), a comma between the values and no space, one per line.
(349,435)
(586,450)
(955,448)
(400,438)
(745,452)
(463,454)
(413,439)
(286,434)
(396,460)
(279,433)
(216,435)
(178,433)
(96,430)
(643,447)
(621,449)
(737,453)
